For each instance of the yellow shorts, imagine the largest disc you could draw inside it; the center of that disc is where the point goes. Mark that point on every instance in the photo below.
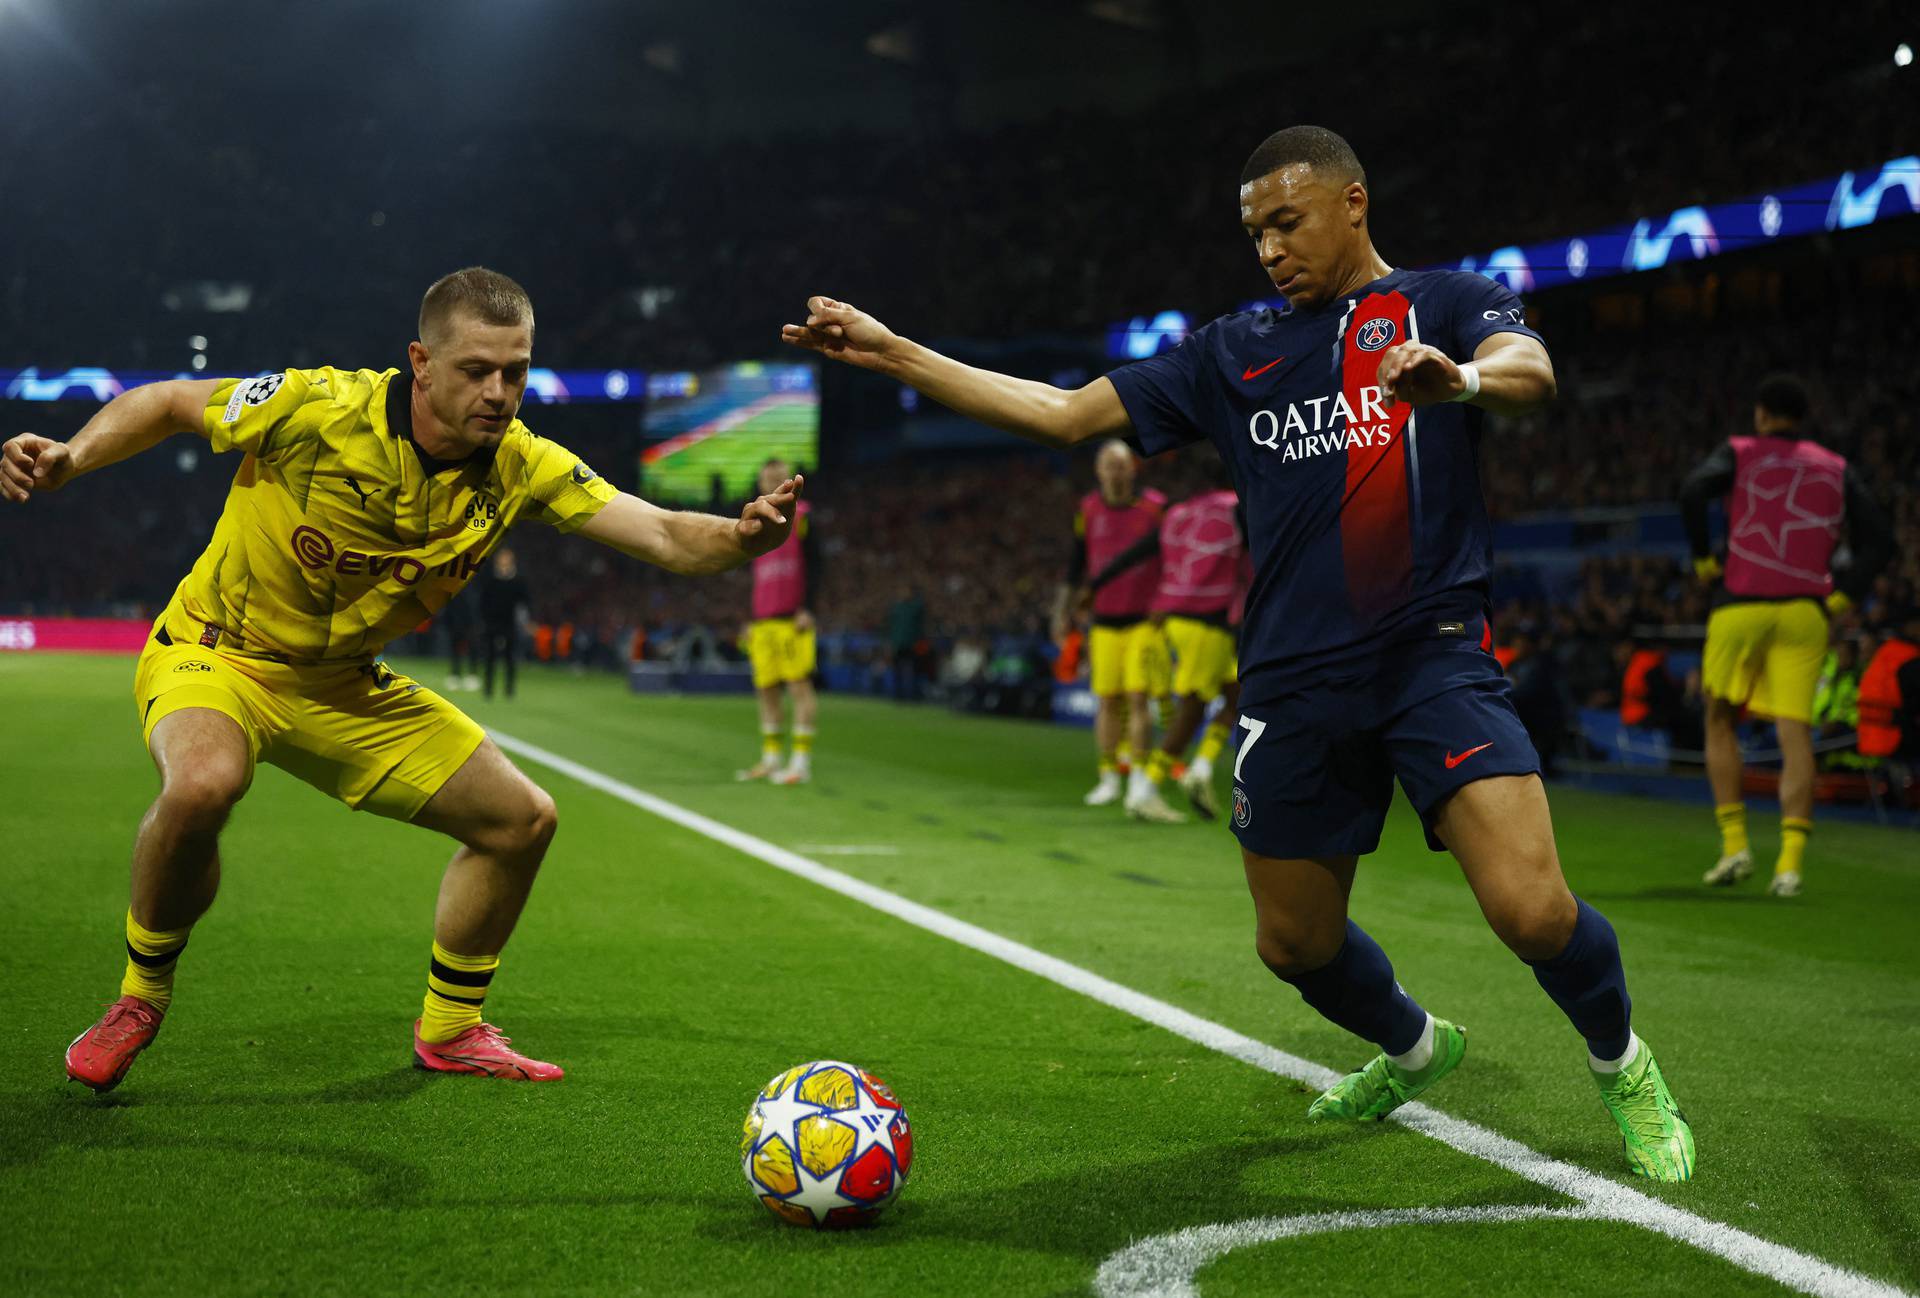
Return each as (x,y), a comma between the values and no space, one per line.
(1766,655)
(1129,660)
(366,735)
(1203,656)
(780,653)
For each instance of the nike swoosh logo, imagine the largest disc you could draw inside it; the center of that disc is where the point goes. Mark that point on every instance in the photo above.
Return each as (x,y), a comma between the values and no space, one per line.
(1254,374)
(1453,761)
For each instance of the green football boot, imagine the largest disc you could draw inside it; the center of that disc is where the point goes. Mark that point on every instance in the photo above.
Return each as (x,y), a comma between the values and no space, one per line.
(1383,1086)
(1659,1143)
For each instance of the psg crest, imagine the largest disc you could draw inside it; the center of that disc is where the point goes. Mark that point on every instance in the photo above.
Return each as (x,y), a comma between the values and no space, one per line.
(1242,809)
(1374,335)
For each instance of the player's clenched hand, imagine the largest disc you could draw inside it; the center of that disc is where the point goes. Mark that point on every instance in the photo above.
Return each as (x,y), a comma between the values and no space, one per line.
(767,521)
(29,463)
(846,333)
(1419,375)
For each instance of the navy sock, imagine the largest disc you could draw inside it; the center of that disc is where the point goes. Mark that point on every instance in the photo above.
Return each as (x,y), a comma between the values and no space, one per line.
(1356,990)
(1588,984)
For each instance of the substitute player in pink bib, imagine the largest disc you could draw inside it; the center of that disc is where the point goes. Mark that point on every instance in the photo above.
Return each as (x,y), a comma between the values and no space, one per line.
(1787,498)
(1201,549)
(1125,651)
(780,645)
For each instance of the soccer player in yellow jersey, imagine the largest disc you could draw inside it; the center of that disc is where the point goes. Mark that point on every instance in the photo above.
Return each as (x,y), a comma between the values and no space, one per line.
(365,500)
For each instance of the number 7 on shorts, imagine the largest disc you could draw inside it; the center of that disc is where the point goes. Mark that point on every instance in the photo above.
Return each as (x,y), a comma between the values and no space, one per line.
(1254,728)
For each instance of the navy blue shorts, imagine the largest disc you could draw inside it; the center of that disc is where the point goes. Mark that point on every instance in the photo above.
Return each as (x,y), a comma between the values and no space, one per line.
(1315,768)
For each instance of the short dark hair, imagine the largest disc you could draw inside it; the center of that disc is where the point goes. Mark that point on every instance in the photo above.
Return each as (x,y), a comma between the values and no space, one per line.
(1784,395)
(1328,154)
(488,294)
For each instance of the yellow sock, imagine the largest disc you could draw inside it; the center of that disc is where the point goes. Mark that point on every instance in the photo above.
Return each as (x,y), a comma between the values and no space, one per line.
(1793,844)
(1108,767)
(1733,827)
(456,988)
(1157,765)
(802,742)
(1214,740)
(770,745)
(151,958)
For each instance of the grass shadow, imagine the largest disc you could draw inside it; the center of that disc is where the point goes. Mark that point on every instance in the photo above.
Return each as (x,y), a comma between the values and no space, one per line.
(1097,1207)
(1681,892)
(1877,1162)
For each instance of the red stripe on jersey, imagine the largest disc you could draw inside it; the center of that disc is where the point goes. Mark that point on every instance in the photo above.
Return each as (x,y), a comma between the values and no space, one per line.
(1376,536)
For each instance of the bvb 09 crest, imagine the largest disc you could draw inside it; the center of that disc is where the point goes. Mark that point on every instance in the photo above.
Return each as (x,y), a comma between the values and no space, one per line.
(482,509)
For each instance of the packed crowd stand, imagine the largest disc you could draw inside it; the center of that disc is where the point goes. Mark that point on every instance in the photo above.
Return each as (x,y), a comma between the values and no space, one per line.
(669,251)
(941,572)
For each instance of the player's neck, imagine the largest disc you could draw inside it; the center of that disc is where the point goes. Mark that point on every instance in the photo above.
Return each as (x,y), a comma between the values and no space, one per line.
(430,435)
(1371,266)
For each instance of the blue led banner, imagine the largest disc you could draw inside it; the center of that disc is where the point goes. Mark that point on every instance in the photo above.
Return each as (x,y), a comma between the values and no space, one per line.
(546,387)
(1845,202)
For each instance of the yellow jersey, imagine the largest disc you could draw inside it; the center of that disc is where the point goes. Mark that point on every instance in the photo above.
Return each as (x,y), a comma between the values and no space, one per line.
(339,532)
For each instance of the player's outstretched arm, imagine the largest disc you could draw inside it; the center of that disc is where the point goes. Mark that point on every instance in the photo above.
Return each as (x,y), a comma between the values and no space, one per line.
(1513,372)
(1037,411)
(695,544)
(130,423)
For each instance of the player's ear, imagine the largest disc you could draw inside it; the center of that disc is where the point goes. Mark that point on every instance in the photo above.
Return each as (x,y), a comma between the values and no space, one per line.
(1356,198)
(417,357)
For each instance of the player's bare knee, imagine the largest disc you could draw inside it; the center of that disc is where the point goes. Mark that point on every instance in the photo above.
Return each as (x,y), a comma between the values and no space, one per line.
(1535,926)
(1290,948)
(543,822)
(524,835)
(198,797)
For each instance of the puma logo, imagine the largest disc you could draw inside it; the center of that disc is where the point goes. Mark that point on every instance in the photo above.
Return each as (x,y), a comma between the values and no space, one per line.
(365,496)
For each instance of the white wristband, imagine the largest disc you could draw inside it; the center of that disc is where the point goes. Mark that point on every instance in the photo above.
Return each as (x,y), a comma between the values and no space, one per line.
(1469,375)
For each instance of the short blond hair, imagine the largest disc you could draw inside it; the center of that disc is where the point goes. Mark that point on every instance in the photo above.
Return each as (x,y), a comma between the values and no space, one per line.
(494,298)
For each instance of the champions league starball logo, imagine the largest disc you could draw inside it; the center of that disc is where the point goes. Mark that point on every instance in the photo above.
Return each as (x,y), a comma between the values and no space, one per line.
(1374,335)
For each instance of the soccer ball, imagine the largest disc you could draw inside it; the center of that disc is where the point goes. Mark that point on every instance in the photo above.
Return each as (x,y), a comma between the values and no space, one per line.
(826,1144)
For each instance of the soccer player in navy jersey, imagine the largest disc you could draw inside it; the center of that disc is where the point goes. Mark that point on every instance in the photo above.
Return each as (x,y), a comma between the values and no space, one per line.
(1350,422)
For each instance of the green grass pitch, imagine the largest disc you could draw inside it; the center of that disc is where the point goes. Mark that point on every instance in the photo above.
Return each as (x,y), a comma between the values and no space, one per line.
(275,1141)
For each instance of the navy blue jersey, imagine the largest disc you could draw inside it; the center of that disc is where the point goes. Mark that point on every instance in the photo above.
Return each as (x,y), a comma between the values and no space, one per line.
(1366,520)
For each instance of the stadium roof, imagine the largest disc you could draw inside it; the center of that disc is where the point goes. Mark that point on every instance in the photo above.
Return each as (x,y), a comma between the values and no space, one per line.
(711,70)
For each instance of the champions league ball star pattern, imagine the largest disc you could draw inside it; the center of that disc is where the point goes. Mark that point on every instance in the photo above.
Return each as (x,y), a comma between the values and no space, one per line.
(826,1144)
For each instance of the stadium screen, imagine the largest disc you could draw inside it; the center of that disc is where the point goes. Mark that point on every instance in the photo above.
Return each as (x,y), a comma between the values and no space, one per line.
(726,423)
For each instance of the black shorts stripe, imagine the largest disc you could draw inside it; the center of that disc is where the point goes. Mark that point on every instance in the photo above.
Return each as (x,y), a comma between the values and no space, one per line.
(457,1000)
(146,961)
(459,977)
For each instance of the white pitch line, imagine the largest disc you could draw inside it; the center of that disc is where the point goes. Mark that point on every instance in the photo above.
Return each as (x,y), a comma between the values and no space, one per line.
(1599,1195)
(1164,1266)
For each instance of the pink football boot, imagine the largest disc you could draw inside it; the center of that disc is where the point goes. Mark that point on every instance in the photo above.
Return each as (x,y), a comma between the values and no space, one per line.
(100,1056)
(481,1049)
